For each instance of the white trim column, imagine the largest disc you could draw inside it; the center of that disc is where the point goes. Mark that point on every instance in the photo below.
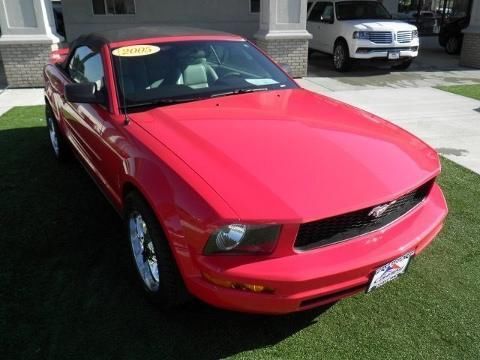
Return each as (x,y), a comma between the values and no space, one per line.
(471,39)
(28,37)
(283,33)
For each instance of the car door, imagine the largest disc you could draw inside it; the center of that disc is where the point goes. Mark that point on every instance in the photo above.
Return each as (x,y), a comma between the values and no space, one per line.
(321,24)
(314,25)
(87,123)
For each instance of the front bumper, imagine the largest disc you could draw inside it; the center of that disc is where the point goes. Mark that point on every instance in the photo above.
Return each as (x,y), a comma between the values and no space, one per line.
(303,280)
(365,49)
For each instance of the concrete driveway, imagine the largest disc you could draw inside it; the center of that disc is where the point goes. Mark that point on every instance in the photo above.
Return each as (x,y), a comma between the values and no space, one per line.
(20,97)
(433,67)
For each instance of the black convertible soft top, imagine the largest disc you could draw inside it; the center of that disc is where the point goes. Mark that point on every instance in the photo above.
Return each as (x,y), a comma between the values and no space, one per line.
(96,40)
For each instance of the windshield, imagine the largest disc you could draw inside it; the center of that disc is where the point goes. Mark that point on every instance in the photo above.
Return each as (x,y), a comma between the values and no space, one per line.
(167,73)
(357,10)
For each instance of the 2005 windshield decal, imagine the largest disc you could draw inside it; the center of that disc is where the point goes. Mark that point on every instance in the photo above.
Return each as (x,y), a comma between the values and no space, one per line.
(136,50)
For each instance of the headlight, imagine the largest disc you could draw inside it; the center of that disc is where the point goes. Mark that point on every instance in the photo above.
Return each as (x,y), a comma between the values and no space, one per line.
(364,35)
(241,238)
(230,237)
(415,34)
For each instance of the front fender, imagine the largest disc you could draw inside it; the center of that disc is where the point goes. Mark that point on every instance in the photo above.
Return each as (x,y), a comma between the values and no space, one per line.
(186,207)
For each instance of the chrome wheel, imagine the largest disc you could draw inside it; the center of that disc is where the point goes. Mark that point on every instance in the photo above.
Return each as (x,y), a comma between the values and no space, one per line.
(339,56)
(52,131)
(143,251)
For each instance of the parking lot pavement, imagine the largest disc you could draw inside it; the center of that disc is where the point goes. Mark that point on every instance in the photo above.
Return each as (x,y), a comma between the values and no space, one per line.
(20,97)
(433,67)
(448,122)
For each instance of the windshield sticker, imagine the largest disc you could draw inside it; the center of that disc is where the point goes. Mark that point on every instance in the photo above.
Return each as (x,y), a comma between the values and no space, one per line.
(136,50)
(260,82)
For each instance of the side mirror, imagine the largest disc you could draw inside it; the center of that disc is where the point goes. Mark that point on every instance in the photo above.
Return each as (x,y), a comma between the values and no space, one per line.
(84,93)
(286,67)
(326,19)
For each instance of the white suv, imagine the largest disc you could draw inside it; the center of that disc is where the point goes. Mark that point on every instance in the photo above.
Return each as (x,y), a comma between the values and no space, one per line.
(360,29)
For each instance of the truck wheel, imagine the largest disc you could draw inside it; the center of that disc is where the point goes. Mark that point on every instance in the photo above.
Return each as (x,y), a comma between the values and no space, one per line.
(152,257)
(341,56)
(453,45)
(57,140)
(403,66)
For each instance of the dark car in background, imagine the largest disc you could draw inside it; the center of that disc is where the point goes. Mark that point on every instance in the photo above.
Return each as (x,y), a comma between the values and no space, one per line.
(425,21)
(451,36)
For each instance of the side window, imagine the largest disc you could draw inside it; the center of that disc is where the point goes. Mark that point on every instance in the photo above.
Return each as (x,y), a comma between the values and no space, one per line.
(86,66)
(327,14)
(317,12)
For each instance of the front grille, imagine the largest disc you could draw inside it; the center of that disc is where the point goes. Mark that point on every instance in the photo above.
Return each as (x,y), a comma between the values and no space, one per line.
(339,228)
(380,37)
(404,36)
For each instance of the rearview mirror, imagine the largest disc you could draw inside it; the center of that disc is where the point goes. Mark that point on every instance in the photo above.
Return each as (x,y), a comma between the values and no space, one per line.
(84,93)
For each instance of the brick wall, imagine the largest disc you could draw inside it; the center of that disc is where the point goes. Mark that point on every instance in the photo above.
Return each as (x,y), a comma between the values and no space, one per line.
(3,80)
(471,50)
(293,52)
(23,63)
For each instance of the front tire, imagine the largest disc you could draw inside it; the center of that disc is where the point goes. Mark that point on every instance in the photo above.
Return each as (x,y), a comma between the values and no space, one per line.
(341,56)
(152,257)
(452,46)
(58,142)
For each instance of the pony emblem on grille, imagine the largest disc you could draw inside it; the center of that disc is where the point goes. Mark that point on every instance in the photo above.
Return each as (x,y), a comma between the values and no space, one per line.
(378,211)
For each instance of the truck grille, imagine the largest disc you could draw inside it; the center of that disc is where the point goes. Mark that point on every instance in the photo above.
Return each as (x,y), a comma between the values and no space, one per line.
(342,227)
(380,37)
(404,36)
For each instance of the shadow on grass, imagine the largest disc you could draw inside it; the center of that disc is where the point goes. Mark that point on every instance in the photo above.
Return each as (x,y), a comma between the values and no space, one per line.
(67,285)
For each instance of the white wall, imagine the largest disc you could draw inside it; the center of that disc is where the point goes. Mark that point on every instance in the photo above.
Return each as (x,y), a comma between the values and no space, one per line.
(227,15)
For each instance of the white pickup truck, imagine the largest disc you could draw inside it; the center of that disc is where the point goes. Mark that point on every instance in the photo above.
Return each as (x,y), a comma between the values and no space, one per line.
(360,29)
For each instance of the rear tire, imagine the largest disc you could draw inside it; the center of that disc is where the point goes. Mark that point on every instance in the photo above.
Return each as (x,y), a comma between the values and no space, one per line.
(403,66)
(452,46)
(58,142)
(341,56)
(154,262)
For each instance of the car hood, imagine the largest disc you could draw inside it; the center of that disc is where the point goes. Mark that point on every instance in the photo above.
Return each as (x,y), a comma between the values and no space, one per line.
(380,25)
(292,155)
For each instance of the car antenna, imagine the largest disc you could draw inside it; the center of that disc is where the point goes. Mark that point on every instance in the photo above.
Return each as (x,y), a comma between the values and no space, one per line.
(126,119)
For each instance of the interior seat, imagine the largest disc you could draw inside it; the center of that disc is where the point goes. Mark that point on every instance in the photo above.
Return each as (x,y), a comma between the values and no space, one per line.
(196,72)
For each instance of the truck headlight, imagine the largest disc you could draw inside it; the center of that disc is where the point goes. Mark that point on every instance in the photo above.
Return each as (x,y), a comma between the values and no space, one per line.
(241,238)
(363,35)
(415,34)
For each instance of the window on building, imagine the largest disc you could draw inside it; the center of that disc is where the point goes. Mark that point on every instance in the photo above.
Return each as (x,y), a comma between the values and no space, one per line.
(113,7)
(254,6)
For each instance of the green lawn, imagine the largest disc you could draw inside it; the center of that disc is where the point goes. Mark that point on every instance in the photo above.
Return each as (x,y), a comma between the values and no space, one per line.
(67,288)
(472,91)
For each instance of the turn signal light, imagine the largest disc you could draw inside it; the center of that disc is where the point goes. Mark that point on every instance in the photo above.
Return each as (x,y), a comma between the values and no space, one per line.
(236,285)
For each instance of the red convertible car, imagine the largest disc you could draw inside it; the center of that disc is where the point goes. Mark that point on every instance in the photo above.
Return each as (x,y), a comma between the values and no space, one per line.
(236,185)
